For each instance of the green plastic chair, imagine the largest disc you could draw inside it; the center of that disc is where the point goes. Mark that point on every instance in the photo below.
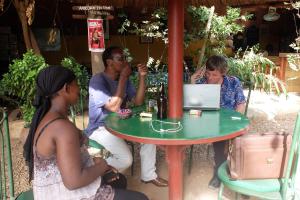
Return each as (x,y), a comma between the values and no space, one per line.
(6,169)
(249,85)
(272,189)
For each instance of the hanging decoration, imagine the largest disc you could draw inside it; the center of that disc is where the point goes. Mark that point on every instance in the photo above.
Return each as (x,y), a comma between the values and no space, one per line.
(95,35)
(1,5)
(272,15)
(30,12)
(52,36)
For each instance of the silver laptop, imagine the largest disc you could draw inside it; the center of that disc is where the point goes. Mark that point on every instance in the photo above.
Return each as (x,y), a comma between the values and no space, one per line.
(201,96)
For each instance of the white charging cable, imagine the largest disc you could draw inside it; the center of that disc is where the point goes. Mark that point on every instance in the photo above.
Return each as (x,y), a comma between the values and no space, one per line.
(169,130)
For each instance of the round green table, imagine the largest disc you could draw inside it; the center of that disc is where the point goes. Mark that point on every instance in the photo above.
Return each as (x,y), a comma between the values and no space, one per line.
(210,127)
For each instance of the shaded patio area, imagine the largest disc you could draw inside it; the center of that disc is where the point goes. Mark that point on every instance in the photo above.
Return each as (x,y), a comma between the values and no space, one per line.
(266,112)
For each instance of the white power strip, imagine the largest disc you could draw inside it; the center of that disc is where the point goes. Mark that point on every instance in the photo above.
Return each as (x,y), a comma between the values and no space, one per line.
(146,114)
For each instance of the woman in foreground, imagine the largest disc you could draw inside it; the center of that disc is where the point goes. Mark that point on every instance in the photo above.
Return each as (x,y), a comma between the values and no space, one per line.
(58,161)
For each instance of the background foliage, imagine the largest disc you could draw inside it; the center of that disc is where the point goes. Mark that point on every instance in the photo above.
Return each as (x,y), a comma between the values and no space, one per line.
(222,27)
(80,72)
(252,68)
(19,82)
(82,78)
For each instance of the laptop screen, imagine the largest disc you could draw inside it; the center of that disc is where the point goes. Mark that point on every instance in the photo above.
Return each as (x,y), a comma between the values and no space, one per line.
(201,96)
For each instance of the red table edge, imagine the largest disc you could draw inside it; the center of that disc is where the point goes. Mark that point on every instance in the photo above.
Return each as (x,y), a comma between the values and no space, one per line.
(177,142)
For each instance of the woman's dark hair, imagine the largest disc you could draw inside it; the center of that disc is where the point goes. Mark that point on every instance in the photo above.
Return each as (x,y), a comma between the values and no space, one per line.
(107,54)
(49,81)
(217,62)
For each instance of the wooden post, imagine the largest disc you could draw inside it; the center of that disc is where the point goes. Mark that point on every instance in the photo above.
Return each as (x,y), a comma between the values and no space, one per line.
(96,62)
(283,65)
(211,14)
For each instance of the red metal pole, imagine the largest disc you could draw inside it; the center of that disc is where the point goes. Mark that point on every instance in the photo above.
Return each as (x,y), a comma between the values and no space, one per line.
(175,159)
(175,57)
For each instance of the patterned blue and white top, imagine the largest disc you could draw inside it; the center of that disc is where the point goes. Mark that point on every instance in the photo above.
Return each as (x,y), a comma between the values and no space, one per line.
(231,92)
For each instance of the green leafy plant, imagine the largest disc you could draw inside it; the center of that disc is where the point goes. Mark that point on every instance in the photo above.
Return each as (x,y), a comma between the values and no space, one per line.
(252,68)
(125,25)
(80,73)
(155,27)
(19,82)
(82,78)
(221,28)
(158,74)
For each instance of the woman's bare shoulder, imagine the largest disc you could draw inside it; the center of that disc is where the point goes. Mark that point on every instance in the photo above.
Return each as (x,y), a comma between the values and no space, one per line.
(64,127)
(58,132)
(59,128)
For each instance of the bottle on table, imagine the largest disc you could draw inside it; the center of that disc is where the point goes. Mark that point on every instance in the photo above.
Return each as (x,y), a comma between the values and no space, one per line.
(161,103)
(186,73)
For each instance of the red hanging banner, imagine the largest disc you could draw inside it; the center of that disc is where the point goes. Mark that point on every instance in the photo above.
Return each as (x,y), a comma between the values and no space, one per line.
(95,35)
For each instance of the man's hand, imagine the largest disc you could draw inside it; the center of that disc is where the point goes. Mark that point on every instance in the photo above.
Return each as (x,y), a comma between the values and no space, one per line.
(126,71)
(142,69)
(197,75)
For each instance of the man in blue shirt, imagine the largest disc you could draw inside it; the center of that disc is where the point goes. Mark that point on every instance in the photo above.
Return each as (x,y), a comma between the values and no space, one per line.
(110,91)
(232,97)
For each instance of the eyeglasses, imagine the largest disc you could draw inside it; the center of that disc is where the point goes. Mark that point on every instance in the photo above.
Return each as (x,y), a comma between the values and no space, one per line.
(119,58)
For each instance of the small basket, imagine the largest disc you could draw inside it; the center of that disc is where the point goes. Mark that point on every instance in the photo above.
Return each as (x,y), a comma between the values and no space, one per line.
(124,113)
